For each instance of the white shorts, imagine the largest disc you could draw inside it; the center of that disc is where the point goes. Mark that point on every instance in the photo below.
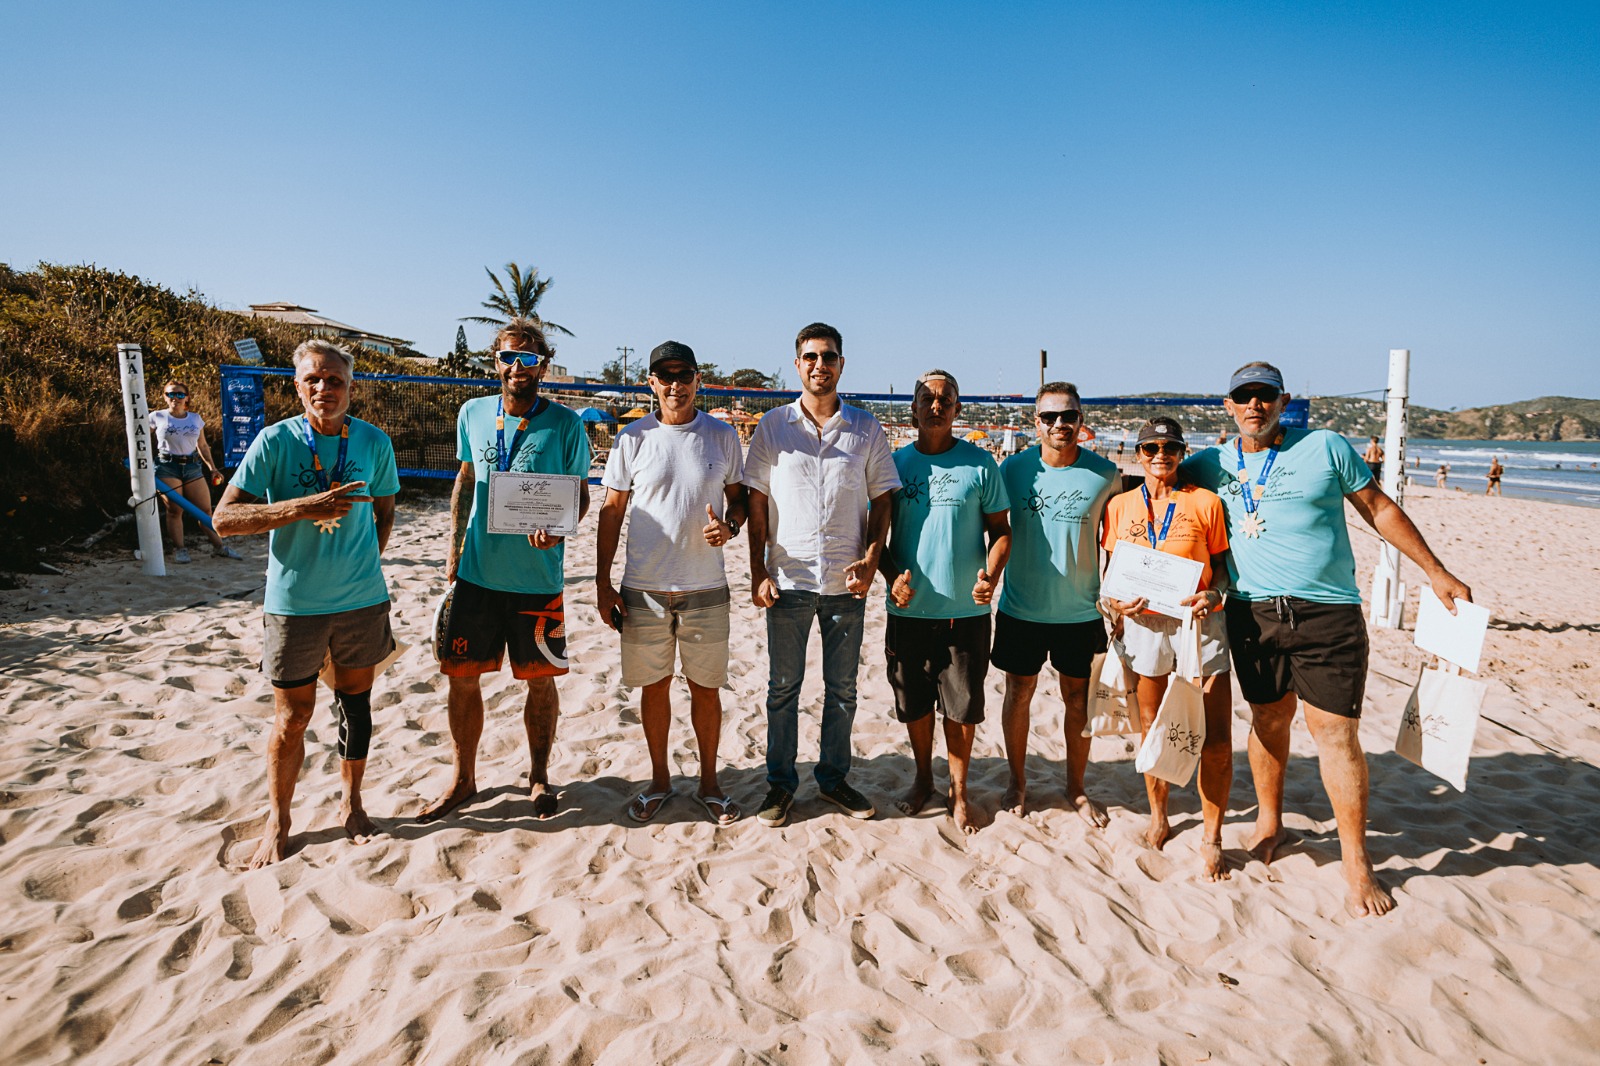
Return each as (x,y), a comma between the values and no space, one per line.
(663,626)
(1150,641)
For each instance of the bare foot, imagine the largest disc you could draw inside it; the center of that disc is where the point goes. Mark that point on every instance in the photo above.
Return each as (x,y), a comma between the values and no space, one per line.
(916,799)
(1265,845)
(1366,896)
(544,799)
(357,826)
(1159,831)
(966,818)
(1015,801)
(1090,811)
(273,847)
(1213,866)
(459,794)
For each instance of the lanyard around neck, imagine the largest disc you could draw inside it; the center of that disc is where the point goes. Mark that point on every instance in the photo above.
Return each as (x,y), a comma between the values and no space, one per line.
(316,460)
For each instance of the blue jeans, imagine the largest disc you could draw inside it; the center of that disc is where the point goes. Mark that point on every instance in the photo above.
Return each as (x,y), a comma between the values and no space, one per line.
(788,628)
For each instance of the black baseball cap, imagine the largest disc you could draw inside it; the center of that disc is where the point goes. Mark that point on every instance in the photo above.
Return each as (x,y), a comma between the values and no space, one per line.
(1257,374)
(672,351)
(1161,429)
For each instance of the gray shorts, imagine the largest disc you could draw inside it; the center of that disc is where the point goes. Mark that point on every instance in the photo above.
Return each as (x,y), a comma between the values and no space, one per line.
(661,627)
(296,644)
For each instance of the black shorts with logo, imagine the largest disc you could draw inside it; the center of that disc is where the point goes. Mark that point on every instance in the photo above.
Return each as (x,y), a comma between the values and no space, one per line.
(938,662)
(478,625)
(1318,651)
(1021,647)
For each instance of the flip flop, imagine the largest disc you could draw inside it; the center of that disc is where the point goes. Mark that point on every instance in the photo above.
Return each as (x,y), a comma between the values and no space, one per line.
(641,804)
(723,810)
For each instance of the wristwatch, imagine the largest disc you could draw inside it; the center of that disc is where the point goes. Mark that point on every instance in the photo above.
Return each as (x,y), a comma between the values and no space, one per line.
(733,528)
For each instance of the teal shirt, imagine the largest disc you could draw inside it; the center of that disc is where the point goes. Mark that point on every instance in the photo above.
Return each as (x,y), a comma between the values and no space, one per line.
(309,571)
(554,443)
(1054,573)
(937,531)
(1304,547)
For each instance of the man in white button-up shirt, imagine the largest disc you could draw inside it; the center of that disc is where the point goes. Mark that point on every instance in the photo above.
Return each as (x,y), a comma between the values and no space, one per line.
(813,468)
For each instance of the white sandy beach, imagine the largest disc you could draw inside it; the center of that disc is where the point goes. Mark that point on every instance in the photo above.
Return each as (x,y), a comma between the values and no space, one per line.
(133,724)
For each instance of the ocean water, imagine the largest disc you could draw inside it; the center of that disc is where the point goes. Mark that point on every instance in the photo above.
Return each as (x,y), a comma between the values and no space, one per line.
(1560,471)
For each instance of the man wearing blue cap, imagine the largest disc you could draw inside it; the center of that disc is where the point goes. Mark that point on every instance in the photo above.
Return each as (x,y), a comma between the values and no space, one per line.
(1294,616)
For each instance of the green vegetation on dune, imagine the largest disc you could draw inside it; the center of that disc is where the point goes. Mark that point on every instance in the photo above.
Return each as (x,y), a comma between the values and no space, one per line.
(62,438)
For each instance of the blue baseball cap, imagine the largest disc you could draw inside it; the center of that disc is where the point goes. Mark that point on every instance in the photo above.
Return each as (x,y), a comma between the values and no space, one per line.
(1257,374)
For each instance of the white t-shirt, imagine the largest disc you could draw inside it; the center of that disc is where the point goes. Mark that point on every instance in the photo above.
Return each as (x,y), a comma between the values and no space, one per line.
(177,436)
(818,482)
(673,473)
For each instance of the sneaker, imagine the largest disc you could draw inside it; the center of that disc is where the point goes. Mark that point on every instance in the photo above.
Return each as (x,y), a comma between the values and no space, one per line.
(853,802)
(225,551)
(775,808)
(181,556)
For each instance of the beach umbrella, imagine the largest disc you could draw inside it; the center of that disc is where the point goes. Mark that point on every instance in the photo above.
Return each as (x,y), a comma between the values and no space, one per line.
(721,413)
(594,414)
(637,412)
(977,434)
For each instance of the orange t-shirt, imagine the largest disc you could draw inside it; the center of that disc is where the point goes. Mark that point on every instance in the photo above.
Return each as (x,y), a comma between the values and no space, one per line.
(1199,529)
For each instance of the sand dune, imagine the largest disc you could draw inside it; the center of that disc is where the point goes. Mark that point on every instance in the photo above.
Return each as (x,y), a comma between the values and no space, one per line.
(132,732)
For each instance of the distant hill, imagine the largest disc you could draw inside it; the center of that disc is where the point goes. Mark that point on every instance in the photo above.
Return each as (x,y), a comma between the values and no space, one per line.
(1547,418)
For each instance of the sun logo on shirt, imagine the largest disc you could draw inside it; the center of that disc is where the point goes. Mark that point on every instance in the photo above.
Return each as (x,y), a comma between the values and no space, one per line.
(914,489)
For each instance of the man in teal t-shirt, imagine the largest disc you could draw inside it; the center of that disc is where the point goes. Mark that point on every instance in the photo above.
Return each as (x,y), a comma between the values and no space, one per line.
(323,484)
(1047,606)
(941,579)
(1294,617)
(506,588)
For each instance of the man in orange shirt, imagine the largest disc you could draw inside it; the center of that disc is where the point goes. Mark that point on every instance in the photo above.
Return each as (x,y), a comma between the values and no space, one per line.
(1188,521)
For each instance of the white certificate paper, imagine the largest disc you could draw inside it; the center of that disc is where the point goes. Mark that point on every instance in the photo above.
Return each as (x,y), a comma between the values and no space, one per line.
(526,503)
(1455,638)
(1137,571)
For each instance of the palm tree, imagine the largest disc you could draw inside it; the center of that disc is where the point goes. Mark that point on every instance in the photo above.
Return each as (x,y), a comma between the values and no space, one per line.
(520,301)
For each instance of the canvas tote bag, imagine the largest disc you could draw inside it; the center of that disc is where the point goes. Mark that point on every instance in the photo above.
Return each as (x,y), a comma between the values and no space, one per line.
(1439,724)
(1113,703)
(1171,749)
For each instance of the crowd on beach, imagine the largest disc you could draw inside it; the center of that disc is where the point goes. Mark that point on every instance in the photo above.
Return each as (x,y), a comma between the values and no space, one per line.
(985,564)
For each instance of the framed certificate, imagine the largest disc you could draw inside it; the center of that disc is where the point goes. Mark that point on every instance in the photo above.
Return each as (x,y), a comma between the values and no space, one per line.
(525,503)
(1137,571)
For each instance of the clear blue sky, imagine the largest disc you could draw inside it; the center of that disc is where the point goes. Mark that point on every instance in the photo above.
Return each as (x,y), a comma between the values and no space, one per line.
(1154,192)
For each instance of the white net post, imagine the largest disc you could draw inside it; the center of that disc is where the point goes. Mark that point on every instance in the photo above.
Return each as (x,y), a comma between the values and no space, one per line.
(1388,593)
(141,463)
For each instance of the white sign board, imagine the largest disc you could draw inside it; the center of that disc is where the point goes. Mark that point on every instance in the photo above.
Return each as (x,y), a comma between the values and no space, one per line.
(248,350)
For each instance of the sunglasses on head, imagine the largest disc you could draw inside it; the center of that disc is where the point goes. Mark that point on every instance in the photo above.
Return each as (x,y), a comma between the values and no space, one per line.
(1161,447)
(675,377)
(828,358)
(1264,393)
(1067,417)
(509,357)
(177,395)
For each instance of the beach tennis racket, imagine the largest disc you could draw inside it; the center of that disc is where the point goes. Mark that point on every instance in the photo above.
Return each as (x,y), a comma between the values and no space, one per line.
(441,621)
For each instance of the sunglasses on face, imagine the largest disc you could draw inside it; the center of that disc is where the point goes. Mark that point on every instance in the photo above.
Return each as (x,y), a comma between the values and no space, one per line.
(828,358)
(1165,447)
(674,377)
(1265,393)
(177,395)
(1068,417)
(508,357)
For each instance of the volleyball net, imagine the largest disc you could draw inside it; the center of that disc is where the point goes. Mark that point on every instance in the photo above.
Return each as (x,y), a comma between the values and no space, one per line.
(419,412)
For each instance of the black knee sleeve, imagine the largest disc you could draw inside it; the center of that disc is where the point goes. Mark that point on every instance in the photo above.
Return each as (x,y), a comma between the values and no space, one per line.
(354,710)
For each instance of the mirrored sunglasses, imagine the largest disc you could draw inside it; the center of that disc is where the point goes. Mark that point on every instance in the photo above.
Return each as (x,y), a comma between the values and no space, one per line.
(509,357)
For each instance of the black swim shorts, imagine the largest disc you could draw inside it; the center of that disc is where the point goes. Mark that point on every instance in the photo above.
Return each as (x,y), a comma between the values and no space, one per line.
(938,662)
(1316,650)
(480,625)
(1021,647)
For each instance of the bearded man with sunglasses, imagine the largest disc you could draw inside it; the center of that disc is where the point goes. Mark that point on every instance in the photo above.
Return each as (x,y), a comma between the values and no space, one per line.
(1047,608)
(813,468)
(1294,614)
(506,588)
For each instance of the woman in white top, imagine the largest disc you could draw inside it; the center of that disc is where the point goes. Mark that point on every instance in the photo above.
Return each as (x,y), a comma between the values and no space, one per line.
(182,461)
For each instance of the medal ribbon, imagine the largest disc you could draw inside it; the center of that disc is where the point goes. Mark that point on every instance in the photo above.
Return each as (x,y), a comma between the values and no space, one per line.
(502,457)
(1166,523)
(1261,479)
(316,460)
